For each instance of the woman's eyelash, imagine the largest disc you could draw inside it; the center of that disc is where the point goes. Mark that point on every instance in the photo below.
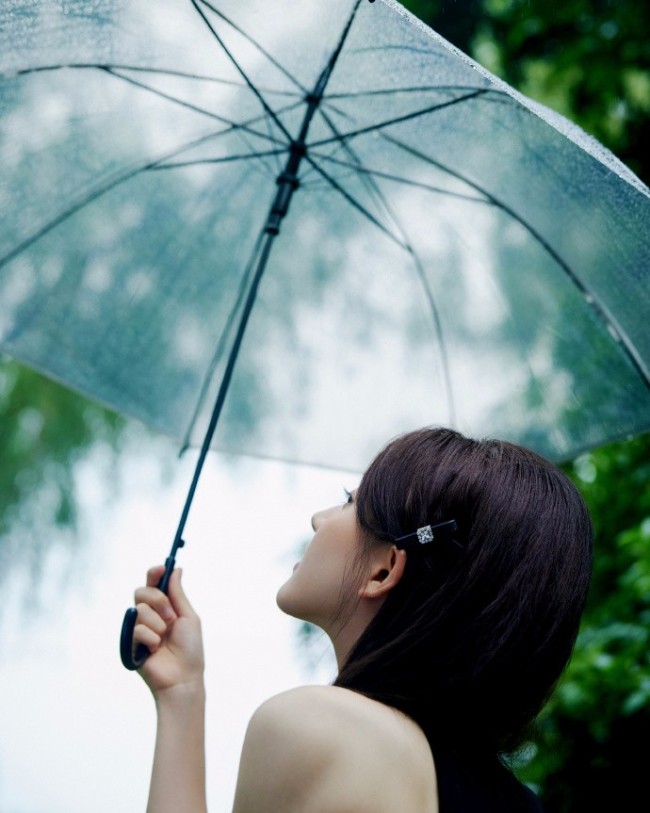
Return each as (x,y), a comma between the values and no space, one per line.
(348,495)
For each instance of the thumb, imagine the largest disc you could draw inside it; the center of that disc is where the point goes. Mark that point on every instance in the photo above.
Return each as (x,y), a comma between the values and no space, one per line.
(179,600)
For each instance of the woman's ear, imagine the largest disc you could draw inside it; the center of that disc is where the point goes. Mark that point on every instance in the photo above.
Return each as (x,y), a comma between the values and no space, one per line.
(386,570)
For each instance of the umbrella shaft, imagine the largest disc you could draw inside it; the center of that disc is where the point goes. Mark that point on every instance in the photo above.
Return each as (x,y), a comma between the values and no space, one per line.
(287,183)
(223,389)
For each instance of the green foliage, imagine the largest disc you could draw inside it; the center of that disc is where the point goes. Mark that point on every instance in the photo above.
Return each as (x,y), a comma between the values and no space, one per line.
(587,59)
(46,429)
(586,755)
(456,20)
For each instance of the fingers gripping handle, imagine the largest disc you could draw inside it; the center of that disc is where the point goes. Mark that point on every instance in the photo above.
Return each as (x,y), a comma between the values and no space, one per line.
(133,659)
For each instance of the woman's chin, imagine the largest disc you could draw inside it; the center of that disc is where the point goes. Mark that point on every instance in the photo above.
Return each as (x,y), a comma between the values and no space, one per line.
(283,599)
(289,601)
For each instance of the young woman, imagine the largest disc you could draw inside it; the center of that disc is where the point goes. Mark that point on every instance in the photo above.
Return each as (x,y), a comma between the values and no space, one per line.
(451,584)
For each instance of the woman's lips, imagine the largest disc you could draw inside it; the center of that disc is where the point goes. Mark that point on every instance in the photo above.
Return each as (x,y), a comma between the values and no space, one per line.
(295,566)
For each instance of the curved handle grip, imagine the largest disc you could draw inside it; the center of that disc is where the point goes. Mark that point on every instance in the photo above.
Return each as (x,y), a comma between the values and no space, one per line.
(131,659)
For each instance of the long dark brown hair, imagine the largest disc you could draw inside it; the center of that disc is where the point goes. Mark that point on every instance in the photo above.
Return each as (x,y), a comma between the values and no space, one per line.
(474,637)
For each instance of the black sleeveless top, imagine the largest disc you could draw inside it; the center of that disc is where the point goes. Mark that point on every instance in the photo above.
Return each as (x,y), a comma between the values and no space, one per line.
(487,789)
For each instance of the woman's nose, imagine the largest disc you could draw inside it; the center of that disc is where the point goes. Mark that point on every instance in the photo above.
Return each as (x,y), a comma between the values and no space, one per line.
(317,519)
(319,516)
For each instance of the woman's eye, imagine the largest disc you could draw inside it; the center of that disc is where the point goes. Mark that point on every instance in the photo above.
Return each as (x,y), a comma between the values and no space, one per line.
(348,495)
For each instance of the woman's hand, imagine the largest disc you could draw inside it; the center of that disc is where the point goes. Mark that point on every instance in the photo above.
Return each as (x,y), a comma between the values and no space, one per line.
(171,630)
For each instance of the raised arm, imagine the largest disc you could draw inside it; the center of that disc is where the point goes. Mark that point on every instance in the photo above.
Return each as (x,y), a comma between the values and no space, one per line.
(171,629)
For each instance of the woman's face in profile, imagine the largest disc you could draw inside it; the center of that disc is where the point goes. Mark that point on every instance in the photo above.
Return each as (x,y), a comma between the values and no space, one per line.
(314,591)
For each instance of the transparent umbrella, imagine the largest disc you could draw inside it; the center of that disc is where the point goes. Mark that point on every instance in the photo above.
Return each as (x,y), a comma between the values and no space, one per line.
(319,216)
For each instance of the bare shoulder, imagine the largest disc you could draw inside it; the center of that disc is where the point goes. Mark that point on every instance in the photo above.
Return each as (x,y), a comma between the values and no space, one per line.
(296,725)
(337,720)
(304,699)
(323,748)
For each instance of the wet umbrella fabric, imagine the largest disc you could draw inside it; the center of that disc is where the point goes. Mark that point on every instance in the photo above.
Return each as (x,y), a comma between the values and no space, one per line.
(454,253)
(450,252)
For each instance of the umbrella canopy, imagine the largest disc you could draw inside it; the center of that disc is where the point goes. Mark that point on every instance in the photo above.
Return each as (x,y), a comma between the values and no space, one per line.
(421,244)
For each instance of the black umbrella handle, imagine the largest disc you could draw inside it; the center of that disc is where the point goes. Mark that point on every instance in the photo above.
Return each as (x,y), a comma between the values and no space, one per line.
(131,659)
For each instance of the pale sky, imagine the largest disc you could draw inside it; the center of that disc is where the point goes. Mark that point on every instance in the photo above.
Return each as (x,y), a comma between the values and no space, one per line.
(77,729)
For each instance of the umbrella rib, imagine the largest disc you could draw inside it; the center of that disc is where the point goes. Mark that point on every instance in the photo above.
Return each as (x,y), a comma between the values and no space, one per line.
(406,181)
(603,313)
(114,71)
(368,179)
(488,198)
(267,165)
(278,163)
(416,89)
(140,69)
(358,206)
(243,74)
(168,97)
(399,119)
(221,343)
(381,48)
(225,160)
(116,179)
(260,259)
(257,45)
(435,313)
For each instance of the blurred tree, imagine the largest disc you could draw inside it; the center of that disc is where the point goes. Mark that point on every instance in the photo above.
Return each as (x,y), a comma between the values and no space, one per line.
(46,429)
(587,59)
